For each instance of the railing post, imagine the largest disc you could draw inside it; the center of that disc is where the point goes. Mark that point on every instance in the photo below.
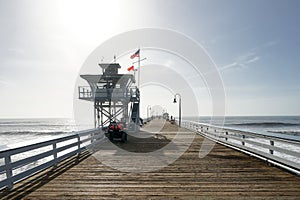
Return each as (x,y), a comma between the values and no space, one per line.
(243,142)
(78,141)
(55,154)
(9,173)
(271,151)
(92,137)
(79,91)
(92,140)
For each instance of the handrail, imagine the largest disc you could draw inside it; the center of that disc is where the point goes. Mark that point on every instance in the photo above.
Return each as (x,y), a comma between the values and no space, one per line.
(86,92)
(23,162)
(281,150)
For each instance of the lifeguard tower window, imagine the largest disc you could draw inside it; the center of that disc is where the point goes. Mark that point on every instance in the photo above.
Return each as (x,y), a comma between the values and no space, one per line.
(101,85)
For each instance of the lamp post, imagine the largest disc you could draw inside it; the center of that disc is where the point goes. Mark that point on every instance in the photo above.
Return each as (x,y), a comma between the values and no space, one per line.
(177,94)
(148,108)
(165,111)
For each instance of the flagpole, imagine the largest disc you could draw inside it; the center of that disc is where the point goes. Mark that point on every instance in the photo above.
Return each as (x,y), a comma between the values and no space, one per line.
(134,72)
(139,65)
(138,113)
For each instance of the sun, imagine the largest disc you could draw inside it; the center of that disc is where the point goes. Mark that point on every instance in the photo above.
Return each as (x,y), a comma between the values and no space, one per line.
(89,20)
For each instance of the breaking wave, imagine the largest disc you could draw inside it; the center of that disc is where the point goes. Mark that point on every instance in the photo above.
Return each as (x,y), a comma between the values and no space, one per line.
(35,132)
(288,132)
(265,124)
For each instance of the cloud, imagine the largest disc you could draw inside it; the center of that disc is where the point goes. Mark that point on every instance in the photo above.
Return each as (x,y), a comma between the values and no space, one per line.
(16,51)
(252,60)
(250,57)
(265,45)
(3,83)
(231,33)
(242,61)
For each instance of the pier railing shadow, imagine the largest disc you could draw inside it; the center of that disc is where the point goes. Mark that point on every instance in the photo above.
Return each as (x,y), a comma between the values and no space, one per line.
(33,183)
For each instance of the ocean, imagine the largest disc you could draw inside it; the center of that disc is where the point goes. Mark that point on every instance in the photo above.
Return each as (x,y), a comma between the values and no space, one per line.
(19,132)
(260,124)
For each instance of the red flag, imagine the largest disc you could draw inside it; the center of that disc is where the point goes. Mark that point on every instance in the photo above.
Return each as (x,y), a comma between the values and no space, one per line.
(130,68)
(136,54)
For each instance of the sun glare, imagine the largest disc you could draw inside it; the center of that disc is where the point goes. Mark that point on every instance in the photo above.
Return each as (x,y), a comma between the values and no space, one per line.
(89,20)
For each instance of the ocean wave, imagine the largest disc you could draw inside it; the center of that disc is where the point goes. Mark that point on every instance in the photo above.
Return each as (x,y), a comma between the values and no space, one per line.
(34,125)
(264,124)
(34,132)
(287,132)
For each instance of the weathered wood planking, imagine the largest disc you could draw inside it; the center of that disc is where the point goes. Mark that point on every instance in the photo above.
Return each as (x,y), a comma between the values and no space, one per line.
(224,174)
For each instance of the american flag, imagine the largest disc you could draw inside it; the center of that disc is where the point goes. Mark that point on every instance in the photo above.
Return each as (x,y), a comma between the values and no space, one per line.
(136,54)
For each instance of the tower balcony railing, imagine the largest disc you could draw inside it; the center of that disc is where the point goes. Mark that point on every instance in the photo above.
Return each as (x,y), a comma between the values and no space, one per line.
(85,92)
(130,94)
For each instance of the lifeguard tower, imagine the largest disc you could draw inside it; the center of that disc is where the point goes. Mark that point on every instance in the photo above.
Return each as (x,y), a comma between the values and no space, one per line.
(115,97)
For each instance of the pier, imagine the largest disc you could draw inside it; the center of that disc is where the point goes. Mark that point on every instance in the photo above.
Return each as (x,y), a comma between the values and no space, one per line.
(223,173)
(239,164)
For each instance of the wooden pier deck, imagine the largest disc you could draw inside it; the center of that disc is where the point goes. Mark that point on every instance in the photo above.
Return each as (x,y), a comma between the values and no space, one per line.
(223,174)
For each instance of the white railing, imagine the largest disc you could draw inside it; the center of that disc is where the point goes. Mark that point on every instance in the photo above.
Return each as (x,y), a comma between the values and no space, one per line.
(280,150)
(22,162)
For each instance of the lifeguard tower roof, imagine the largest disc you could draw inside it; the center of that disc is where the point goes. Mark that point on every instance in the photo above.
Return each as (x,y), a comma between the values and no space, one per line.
(122,79)
(109,75)
(109,68)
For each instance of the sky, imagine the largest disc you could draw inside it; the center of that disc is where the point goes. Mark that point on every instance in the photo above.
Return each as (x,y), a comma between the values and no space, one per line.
(255,45)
